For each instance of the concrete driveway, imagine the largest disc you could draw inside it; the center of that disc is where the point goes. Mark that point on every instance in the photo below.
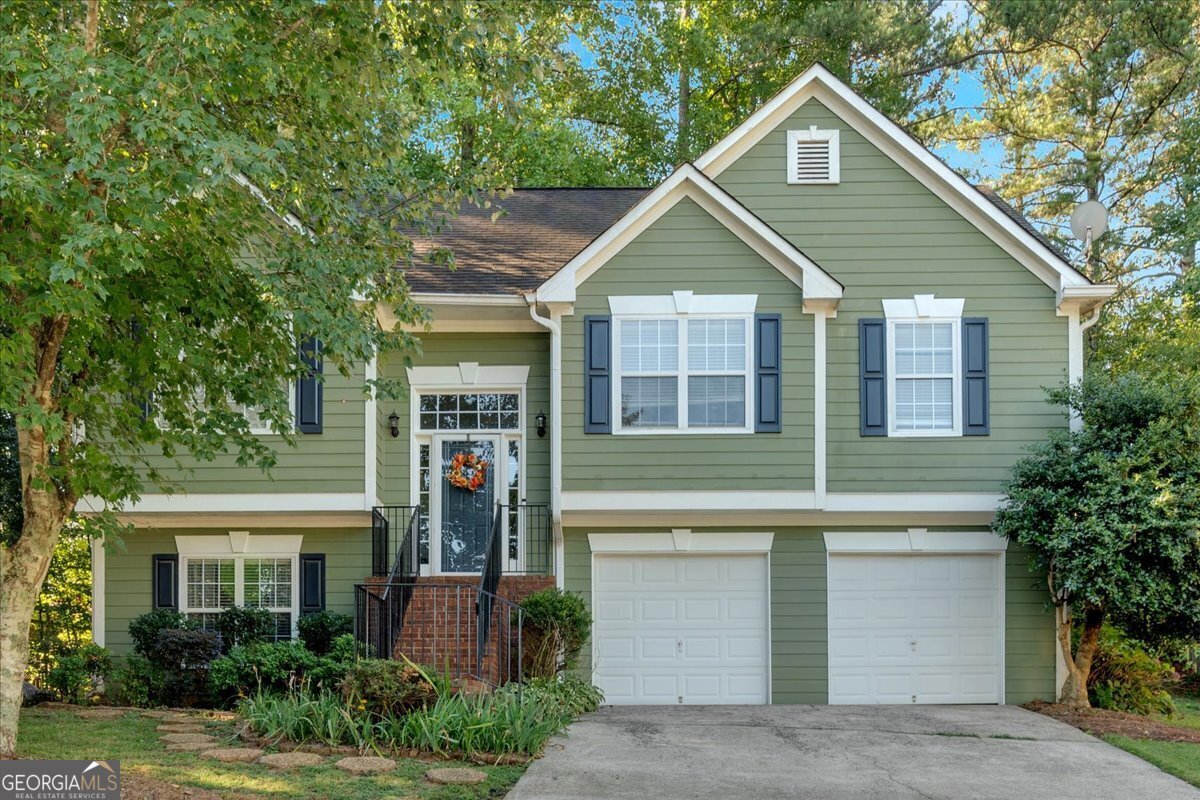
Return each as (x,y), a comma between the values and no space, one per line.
(834,752)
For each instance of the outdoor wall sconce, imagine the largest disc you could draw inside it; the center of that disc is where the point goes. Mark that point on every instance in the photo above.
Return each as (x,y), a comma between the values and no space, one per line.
(540,419)
(394,424)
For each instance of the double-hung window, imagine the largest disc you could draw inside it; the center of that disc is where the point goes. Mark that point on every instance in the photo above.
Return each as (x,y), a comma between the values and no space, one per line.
(213,584)
(683,373)
(925,369)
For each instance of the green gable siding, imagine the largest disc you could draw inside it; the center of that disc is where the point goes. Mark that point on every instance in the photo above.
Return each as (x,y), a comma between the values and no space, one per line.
(884,235)
(686,249)
(799,616)
(488,349)
(128,570)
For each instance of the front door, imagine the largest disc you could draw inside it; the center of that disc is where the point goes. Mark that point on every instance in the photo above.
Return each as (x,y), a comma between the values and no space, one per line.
(465,500)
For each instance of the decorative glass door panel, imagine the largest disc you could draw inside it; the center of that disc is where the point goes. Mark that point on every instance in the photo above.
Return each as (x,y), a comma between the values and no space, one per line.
(467,485)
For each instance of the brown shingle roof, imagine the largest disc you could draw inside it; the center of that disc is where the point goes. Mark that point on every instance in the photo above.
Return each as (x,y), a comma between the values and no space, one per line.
(1019,218)
(541,230)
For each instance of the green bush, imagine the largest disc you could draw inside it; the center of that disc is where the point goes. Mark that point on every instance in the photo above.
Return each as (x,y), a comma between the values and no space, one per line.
(144,629)
(139,683)
(319,630)
(555,625)
(239,627)
(381,687)
(79,675)
(1125,677)
(570,692)
(185,656)
(279,667)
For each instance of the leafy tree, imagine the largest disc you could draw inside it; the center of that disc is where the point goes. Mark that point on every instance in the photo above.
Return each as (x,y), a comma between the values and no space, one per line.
(62,617)
(185,190)
(1111,513)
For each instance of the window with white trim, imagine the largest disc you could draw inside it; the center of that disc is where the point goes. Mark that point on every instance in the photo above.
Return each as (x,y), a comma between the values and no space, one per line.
(925,376)
(683,373)
(213,584)
(813,156)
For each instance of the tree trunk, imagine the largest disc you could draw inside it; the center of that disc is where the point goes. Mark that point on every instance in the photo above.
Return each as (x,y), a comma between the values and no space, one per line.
(1079,663)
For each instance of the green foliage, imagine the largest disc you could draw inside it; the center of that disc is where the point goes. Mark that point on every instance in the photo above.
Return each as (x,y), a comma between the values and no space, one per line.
(382,687)
(1125,677)
(62,617)
(555,625)
(1110,512)
(239,626)
(184,657)
(144,630)
(570,692)
(319,630)
(279,667)
(79,675)
(139,683)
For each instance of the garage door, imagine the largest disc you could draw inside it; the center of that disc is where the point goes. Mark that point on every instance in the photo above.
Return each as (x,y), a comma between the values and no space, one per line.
(681,628)
(915,629)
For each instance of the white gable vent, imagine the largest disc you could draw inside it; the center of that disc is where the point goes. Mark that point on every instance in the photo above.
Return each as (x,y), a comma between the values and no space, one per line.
(812,156)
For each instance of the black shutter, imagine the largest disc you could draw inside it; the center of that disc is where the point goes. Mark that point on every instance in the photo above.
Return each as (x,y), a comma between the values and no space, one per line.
(164,581)
(768,361)
(872,362)
(597,375)
(310,391)
(312,583)
(975,377)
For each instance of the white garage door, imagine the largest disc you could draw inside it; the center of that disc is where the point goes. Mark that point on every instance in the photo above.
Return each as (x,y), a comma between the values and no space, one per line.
(914,629)
(681,628)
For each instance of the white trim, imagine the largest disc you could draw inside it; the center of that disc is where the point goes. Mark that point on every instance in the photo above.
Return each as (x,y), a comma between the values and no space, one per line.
(749,502)
(833,137)
(98,589)
(239,543)
(819,83)
(371,439)
(467,375)
(681,540)
(819,408)
(682,303)
(914,540)
(924,306)
(225,503)
(466,298)
(689,182)
(956,378)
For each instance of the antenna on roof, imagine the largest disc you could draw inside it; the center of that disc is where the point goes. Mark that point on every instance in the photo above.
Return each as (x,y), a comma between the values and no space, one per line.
(1088,223)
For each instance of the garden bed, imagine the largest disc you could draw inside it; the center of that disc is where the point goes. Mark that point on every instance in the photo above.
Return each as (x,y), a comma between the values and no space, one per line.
(1101,722)
(287,745)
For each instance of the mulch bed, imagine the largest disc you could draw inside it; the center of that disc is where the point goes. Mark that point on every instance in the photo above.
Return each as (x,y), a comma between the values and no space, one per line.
(1099,722)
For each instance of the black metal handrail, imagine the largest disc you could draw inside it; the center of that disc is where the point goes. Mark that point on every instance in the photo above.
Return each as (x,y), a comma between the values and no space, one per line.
(392,527)
(407,565)
(489,579)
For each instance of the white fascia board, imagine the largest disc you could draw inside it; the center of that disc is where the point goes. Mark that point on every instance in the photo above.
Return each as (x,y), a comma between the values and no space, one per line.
(819,83)
(226,503)
(689,182)
(466,299)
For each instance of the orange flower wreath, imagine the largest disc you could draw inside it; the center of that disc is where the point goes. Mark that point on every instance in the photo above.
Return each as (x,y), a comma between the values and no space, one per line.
(467,471)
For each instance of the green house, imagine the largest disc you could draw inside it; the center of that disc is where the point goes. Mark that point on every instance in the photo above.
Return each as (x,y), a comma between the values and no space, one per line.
(758,416)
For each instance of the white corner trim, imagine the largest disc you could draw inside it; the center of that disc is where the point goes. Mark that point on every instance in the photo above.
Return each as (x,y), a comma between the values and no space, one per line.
(681,540)
(466,375)
(239,543)
(370,438)
(914,540)
(98,591)
(689,182)
(819,408)
(224,503)
(924,306)
(682,303)
(813,134)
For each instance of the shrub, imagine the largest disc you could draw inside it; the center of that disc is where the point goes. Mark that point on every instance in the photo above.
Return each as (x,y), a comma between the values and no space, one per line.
(570,692)
(244,626)
(554,628)
(319,630)
(1125,677)
(279,667)
(144,630)
(380,687)
(80,674)
(184,657)
(139,682)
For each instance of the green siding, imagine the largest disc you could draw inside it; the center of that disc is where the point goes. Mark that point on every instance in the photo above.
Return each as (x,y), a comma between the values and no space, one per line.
(490,349)
(128,570)
(328,462)
(686,249)
(884,235)
(799,617)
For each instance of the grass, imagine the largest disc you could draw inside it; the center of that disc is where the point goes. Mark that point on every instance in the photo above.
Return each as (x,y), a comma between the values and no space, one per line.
(1181,759)
(54,733)
(1187,712)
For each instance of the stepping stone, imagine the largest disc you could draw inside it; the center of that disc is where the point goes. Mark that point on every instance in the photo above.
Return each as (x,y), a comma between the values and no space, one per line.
(232,754)
(456,775)
(189,747)
(100,713)
(290,760)
(365,765)
(169,716)
(177,727)
(183,738)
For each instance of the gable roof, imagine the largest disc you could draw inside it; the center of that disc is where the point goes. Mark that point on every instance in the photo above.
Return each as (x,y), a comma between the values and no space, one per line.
(540,231)
(998,221)
(688,181)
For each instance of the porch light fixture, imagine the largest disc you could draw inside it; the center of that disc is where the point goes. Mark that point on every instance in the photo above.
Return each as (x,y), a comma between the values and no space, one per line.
(540,419)
(394,424)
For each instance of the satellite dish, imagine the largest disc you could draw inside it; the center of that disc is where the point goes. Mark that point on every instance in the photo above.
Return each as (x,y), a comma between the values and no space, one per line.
(1089,221)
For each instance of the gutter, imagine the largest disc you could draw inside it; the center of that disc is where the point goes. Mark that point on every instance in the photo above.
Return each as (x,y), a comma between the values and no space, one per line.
(552,324)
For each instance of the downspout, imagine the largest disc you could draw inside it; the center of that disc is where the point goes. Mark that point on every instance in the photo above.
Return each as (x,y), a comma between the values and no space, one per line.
(552,324)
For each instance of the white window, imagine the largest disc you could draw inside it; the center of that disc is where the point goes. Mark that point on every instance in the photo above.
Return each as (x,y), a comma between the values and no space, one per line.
(924,377)
(212,585)
(683,373)
(813,156)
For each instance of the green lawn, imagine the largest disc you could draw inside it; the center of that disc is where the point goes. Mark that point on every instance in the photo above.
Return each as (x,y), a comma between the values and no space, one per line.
(1181,759)
(46,733)
(1187,712)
